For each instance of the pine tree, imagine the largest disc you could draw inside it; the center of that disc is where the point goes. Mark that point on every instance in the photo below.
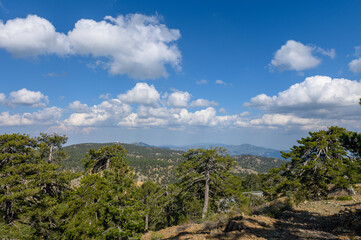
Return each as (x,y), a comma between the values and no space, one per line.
(148,199)
(105,205)
(50,147)
(204,170)
(318,161)
(30,189)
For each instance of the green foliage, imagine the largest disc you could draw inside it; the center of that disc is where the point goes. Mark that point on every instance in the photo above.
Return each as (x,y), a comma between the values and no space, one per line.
(344,198)
(165,207)
(257,163)
(30,189)
(352,142)
(153,164)
(157,164)
(105,158)
(156,236)
(148,198)
(204,175)
(105,205)
(252,182)
(318,160)
(50,147)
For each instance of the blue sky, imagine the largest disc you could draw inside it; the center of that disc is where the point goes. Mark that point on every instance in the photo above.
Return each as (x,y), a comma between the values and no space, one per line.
(180,72)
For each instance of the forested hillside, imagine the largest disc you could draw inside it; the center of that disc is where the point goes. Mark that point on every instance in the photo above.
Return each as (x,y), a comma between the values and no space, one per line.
(233,150)
(157,164)
(149,163)
(257,163)
(42,200)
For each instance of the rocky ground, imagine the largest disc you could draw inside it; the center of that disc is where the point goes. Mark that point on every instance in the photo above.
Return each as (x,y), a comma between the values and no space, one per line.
(325,219)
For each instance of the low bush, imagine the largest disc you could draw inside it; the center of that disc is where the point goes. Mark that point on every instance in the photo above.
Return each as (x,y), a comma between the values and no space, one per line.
(344,198)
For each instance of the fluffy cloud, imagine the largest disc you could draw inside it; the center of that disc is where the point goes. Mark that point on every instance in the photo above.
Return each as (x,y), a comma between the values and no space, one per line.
(46,115)
(6,119)
(41,117)
(315,103)
(179,99)
(297,56)
(142,93)
(319,93)
(179,117)
(32,36)
(203,103)
(107,113)
(77,106)
(150,111)
(355,65)
(155,112)
(28,98)
(282,120)
(204,117)
(135,44)
(291,121)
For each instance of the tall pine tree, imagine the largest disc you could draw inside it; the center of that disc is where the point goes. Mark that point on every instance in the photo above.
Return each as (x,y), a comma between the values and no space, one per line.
(204,170)
(318,161)
(30,189)
(105,205)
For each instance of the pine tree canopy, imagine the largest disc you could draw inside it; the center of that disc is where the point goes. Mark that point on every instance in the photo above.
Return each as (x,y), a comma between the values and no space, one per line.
(205,169)
(318,161)
(105,205)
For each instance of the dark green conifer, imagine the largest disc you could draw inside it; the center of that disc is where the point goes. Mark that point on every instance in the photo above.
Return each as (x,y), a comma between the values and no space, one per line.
(318,161)
(105,205)
(204,170)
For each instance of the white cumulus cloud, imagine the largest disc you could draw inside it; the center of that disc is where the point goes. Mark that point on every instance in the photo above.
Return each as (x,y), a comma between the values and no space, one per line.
(41,117)
(315,103)
(317,92)
(142,93)
(29,98)
(203,103)
(297,56)
(106,113)
(77,106)
(137,45)
(134,44)
(32,36)
(179,99)
(355,65)
(176,117)
(281,120)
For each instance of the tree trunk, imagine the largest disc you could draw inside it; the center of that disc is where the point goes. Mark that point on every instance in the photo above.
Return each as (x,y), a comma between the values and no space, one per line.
(51,153)
(206,197)
(146,223)
(107,165)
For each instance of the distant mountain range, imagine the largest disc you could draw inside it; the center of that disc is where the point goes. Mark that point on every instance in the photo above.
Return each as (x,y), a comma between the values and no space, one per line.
(233,150)
(157,163)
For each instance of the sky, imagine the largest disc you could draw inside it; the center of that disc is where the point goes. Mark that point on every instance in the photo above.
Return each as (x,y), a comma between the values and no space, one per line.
(180,72)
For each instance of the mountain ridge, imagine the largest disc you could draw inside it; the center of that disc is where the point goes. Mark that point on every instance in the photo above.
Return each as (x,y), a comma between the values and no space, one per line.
(233,150)
(158,164)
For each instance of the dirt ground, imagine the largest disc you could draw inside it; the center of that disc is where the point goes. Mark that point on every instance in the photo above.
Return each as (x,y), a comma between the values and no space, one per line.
(325,219)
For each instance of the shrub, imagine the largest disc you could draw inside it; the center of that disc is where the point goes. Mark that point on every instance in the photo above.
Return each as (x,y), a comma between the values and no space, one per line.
(344,198)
